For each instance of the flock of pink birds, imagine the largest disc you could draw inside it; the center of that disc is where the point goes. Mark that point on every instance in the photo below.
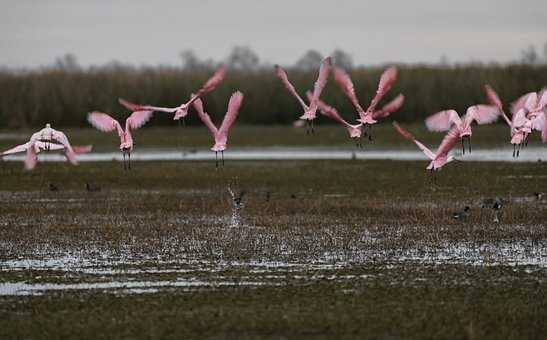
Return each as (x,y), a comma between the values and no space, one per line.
(528,115)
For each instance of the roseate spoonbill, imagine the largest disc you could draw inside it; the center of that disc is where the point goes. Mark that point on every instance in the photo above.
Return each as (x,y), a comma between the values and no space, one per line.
(33,148)
(519,123)
(444,120)
(220,135)
(103,122)
(311,109)
(182,110)
(368,118)
(48,134)
(355,130)
(440,157)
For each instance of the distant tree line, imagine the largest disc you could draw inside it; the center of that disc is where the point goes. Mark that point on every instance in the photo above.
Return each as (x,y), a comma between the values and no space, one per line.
(65,92)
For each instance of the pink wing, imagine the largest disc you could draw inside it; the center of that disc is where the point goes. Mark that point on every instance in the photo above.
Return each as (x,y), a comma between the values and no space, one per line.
(60,137)
(482,114)
(390,107)
(198,105)
(328,110)
(538,122)
(17,149)
(386,82)
(103,122)
(411,138)
(136,107)
(319,85)
(31,159)
(492,96)
(79,149)
(494,99)
(542,102)
(519,119)
(212,82)
(281,74)
(442,121)
(448,142)
(138,119)
(521,102)
(129,105)
(231,114)
(345,83)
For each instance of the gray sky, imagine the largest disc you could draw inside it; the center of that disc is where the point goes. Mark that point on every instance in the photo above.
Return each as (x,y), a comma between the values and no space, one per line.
(33,33)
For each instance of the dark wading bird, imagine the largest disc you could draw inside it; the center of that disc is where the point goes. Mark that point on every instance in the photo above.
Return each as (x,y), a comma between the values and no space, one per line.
(462,215)
(105,123)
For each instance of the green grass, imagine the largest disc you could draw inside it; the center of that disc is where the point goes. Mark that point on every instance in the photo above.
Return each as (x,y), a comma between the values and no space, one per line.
(372,217)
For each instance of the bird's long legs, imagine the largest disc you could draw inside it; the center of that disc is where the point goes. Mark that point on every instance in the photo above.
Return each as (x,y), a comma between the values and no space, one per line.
(514,149)
(129,160)
(216,159)
(222,155)
(469,141)
(370,138)
(463,146)
(124,165)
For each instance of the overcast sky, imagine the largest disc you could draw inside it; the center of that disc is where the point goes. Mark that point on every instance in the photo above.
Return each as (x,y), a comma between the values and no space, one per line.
(33,33)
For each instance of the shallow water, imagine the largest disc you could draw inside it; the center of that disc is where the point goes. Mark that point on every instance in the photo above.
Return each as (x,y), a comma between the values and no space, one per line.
(136,273)
(530,154)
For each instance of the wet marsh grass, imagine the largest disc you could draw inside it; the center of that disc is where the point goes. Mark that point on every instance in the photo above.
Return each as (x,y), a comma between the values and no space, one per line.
(390,259)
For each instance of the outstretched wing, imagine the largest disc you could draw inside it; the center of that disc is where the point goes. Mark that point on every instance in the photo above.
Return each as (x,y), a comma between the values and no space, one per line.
(231,114)
(129,105)
(32,158)
(205,118)
(281,74)
(211,83)
(328,110)
(137,107)
(482,114)
(344,81)
(390,107)
(103,122)
(495,100)
(138,119)
(386,82)
(522,101)
(448,142)
(16,149)
(320,83)
(442,121)
(79,149)
(411,138)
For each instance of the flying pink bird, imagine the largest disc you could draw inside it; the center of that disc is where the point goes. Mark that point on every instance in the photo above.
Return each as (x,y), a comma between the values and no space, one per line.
(444,120)
(182,110)
(368,117)
(33,148)
(47,136)
(355,130)
(439,158)
(311,109)
(105,123)
(527,115)
(220,135)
